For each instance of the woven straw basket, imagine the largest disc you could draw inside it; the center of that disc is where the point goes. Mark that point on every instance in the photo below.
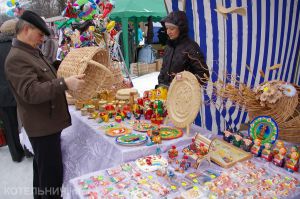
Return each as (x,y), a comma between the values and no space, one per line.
(118,79)
(91,61)
(286,114)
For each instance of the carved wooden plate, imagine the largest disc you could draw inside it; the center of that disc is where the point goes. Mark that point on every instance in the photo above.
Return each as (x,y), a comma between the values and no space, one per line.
(184,99)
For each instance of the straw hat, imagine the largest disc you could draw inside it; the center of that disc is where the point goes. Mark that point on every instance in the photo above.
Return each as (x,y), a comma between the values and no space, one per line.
(9,26)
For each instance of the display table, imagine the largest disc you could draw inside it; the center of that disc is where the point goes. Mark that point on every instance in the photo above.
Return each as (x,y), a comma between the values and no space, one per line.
(86,148)
(253,179)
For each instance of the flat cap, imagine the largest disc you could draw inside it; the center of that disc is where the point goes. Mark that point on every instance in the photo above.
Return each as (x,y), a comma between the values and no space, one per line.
(35,20)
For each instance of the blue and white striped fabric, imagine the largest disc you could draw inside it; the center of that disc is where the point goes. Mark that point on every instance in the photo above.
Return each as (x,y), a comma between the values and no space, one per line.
(267,35)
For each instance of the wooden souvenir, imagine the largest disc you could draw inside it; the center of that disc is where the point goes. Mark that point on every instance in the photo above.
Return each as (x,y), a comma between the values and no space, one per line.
(183,101)
(151,163)
(225,154)
(198,150)
(131,139)
(124,94)
(79,104)
(90,108)
(143,126)
(117,131)
(84,111)
(168,133)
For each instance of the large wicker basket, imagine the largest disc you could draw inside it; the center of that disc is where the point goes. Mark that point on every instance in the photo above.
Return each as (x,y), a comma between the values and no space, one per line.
(286,114)
(91,61)
(285,109)
(119,82)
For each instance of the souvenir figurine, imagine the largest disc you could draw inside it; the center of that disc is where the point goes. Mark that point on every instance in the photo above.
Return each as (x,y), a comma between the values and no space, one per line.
(247,143)
(172,153)
(110,109)
(280,157)
(170,175)
(292,163)
(237,139)
(193,146)
(128,115)
(156,138)
(148,113)
(126,109)
(202,150)
(256,148)
(152,94)
(137,116)
(140,101)
(293,149)
(227,136)
(266,152)
(118,119)
(137,111)
(278,146)
(146,95)
(184,164)
(161,93)
(158,112)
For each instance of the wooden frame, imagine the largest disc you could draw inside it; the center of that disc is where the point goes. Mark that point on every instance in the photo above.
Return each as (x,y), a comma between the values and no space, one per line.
(225,154)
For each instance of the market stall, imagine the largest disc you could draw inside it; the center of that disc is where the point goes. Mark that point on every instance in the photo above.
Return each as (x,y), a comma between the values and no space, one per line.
(173,175)
(87,148)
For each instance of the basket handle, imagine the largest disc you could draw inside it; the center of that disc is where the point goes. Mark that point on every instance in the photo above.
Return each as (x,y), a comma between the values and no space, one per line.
(101,66)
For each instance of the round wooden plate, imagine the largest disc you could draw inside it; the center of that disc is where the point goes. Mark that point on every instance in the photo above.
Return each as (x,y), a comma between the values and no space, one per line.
(184,99)
(143,126)
(168,133)
(131,139)
(117,131)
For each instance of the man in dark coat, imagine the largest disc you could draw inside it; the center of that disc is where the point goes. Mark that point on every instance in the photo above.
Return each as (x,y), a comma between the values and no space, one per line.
(41,102)
(8,107)
(181,52)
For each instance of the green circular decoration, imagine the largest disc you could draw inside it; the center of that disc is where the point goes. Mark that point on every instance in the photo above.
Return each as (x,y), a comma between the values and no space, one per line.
(264,128)
(131,139)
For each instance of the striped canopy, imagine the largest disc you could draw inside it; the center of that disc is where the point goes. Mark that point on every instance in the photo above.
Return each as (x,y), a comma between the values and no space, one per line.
(267,35)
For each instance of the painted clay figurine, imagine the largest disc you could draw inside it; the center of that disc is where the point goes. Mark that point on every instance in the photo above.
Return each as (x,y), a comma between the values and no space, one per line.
(267,153)
(237,139)
(278,146)
(184,164)
(256,148)
(247,143)
(280,157)
(173,153)
(292,163)
(156,138)
(227,136)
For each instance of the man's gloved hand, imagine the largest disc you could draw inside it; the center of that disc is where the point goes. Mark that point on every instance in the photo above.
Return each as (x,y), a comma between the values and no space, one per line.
(75,82)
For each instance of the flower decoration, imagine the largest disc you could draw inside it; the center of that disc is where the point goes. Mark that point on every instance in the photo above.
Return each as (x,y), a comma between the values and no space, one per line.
(289,90)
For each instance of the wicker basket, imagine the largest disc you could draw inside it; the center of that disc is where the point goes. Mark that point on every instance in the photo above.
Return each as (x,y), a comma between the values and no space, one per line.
(285,110)
(91,61)
(118,79)
(288,120)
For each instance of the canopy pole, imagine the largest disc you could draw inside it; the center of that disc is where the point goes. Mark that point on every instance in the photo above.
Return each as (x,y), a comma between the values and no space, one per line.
(136,32)
(125,40)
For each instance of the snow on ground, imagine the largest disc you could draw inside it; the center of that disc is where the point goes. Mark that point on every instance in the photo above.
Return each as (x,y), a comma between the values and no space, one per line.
(145,82)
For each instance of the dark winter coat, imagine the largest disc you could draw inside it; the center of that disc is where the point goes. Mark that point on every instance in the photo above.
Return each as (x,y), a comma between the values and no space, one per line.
(39,94)
(182,54)
(6,97)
